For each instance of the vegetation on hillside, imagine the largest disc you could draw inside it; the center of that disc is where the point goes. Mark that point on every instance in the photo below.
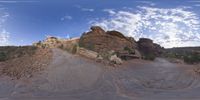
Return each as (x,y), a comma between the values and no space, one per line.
(149,57)
(3,56)
(190,55)
(11,52)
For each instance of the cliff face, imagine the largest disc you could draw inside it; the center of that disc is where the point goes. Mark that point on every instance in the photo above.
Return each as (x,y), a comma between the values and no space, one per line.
(147,47)
(101,41)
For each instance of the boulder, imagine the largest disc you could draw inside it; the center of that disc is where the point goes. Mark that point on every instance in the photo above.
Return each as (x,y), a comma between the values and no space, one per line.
(116,60)
(146,45)
(99,58)
(87,53)
(97,29)
(148,48)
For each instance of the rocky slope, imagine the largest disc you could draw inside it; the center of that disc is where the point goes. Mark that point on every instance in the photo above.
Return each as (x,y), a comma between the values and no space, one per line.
(23,62)
(60,69)
(73,77)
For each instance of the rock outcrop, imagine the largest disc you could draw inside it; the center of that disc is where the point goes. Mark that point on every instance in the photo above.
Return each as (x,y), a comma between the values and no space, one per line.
(148,48)
(69,45)
(116,60)
(87,53)
(49,42)
(101,41)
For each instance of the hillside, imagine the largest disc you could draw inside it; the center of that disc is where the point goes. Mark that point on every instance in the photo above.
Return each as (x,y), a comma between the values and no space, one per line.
(71,76)
(100,65)
(190,55)
(20,62)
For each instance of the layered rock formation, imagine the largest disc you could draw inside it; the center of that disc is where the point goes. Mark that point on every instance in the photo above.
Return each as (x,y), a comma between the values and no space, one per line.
(53,42)
(49,42)
(101,41)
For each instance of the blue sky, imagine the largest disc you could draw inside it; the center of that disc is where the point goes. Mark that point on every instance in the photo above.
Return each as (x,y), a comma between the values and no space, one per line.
(170,23)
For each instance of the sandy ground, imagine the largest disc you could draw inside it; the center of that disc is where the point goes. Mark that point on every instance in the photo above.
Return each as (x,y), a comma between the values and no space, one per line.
(71,77)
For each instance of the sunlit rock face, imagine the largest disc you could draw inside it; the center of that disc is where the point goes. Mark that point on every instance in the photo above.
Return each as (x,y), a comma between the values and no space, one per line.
(100,41)
(49,42)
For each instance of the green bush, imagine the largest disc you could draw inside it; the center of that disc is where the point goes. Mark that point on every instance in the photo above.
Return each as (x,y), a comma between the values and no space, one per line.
(3,56)
(74,49)
(149,57)
(127,49)
(192,58)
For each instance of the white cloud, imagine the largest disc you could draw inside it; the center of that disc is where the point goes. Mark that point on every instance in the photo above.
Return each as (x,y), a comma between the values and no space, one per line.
(197,5)
(169,27)
(85,9)
(15,1)
(147,2)
(110,11)
(4,35)
(66,17)
(195,1)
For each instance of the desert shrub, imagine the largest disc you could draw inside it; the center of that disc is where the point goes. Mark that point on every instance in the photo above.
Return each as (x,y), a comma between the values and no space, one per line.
(105,55)
(149,57)
(61,46)
(127,49)
(192,58)
(74,49)
(91,47)
(3,56)
(11,52)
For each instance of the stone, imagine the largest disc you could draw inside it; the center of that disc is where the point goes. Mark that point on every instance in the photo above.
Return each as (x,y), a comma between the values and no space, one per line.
(97,29)
(99,58)
(147,47)
(115,60)
(87,53)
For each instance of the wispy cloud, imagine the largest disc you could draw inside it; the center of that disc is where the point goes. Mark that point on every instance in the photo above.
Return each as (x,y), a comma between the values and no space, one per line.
(168,27)
(87,9)
(195,1)
(146,2)
(4,35)
(15,1)
(66,17)
(84,9)
(110,11)
(197,5)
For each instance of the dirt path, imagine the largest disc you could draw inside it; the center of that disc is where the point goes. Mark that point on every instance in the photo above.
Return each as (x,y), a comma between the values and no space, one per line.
(71,77)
